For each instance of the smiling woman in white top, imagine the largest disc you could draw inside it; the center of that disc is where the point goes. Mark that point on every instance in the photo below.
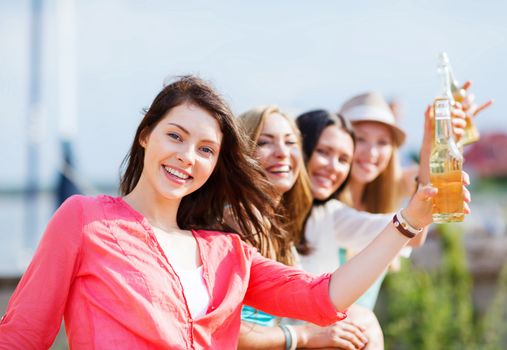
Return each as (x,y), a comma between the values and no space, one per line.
(329,145)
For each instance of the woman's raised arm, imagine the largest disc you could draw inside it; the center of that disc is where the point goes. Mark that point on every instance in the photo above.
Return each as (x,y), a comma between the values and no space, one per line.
(351,280)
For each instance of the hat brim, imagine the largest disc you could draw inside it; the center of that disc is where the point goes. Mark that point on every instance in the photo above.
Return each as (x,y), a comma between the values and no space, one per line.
(398,134)
(369,113)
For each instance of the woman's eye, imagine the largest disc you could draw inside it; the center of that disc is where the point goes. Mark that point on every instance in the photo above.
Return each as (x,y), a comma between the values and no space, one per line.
(360,139)
(208,150)
(174,136)
(261,143)
(290,143)
(321,151)
(343,160)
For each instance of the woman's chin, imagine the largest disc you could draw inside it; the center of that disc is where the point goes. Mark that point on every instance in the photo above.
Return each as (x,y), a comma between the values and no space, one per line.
(365,178)
(321,194)
(282,186)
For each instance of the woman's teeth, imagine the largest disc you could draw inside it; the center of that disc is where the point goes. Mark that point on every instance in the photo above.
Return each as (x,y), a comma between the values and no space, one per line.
(280,169)
(176,173)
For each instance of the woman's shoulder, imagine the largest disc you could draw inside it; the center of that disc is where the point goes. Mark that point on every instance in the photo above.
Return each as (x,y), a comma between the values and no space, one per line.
(86,205)
(69,220)
(84,202)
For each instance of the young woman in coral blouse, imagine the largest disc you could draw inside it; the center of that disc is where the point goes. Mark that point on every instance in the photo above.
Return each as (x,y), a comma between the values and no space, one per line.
(155,268)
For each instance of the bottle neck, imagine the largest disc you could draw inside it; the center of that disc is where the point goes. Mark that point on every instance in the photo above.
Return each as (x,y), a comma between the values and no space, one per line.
(453,83)
(444,71)
(445,81)
(442,105)
(443,129)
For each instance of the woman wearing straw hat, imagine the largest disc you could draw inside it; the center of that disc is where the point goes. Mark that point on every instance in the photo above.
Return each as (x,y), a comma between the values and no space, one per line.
(377,183)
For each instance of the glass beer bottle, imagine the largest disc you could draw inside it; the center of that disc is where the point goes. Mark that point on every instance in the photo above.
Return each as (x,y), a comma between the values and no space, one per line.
(446,161)
(471,134)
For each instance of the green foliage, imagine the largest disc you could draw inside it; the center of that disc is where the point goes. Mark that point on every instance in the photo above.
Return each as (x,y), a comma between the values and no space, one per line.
(494,327)
(490,185)
(433,309)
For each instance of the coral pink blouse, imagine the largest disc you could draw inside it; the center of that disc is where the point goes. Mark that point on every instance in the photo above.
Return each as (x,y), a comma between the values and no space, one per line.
(100,266)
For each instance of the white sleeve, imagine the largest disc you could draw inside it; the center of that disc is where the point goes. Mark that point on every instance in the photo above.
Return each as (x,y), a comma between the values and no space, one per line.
(354,229)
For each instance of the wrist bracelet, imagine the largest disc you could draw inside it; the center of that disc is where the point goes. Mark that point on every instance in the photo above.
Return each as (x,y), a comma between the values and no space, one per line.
(288,337)
(404,227)
(409,227)
(291,338)
(294,337)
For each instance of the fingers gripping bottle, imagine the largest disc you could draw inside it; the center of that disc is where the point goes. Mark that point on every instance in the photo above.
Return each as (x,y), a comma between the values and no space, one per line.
(446,161)
(471,134)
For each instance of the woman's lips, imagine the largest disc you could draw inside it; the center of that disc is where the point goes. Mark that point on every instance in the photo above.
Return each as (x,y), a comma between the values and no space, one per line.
(323,180)
(367,166)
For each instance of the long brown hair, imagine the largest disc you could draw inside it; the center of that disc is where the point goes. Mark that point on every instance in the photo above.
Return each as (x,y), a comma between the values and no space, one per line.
(236,182)
(295,204)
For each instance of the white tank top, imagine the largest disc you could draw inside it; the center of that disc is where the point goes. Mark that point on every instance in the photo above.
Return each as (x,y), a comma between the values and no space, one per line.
(195,290)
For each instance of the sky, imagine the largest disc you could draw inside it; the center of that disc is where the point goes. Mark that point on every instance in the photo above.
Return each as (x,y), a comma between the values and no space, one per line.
(299,55)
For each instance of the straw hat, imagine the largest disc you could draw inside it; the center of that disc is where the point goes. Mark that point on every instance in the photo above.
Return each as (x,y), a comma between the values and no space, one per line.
(371,107)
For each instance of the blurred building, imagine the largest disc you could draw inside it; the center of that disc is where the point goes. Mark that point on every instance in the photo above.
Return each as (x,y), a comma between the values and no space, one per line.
(487,158)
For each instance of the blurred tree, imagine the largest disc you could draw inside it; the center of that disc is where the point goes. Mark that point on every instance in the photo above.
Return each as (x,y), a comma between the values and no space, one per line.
(431,309)
(494,327)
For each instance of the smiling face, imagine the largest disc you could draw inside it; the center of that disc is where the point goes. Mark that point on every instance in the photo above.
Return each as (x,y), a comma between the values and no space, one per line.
(374,148)
(330,162)
(180,152)
(278,152)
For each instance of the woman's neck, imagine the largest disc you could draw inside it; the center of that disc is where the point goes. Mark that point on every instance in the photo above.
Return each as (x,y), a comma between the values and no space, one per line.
(159,211)
(356,192)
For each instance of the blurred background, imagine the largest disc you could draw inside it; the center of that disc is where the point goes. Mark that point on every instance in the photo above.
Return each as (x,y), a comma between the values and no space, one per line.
(75,77)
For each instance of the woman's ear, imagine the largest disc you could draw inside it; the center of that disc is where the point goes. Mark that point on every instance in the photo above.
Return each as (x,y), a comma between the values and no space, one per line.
(143,137)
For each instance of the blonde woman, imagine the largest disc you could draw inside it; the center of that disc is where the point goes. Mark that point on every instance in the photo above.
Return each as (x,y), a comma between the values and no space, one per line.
(275,143)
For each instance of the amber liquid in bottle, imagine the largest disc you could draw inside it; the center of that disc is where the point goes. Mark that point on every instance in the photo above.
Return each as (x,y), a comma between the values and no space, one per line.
(446,161)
